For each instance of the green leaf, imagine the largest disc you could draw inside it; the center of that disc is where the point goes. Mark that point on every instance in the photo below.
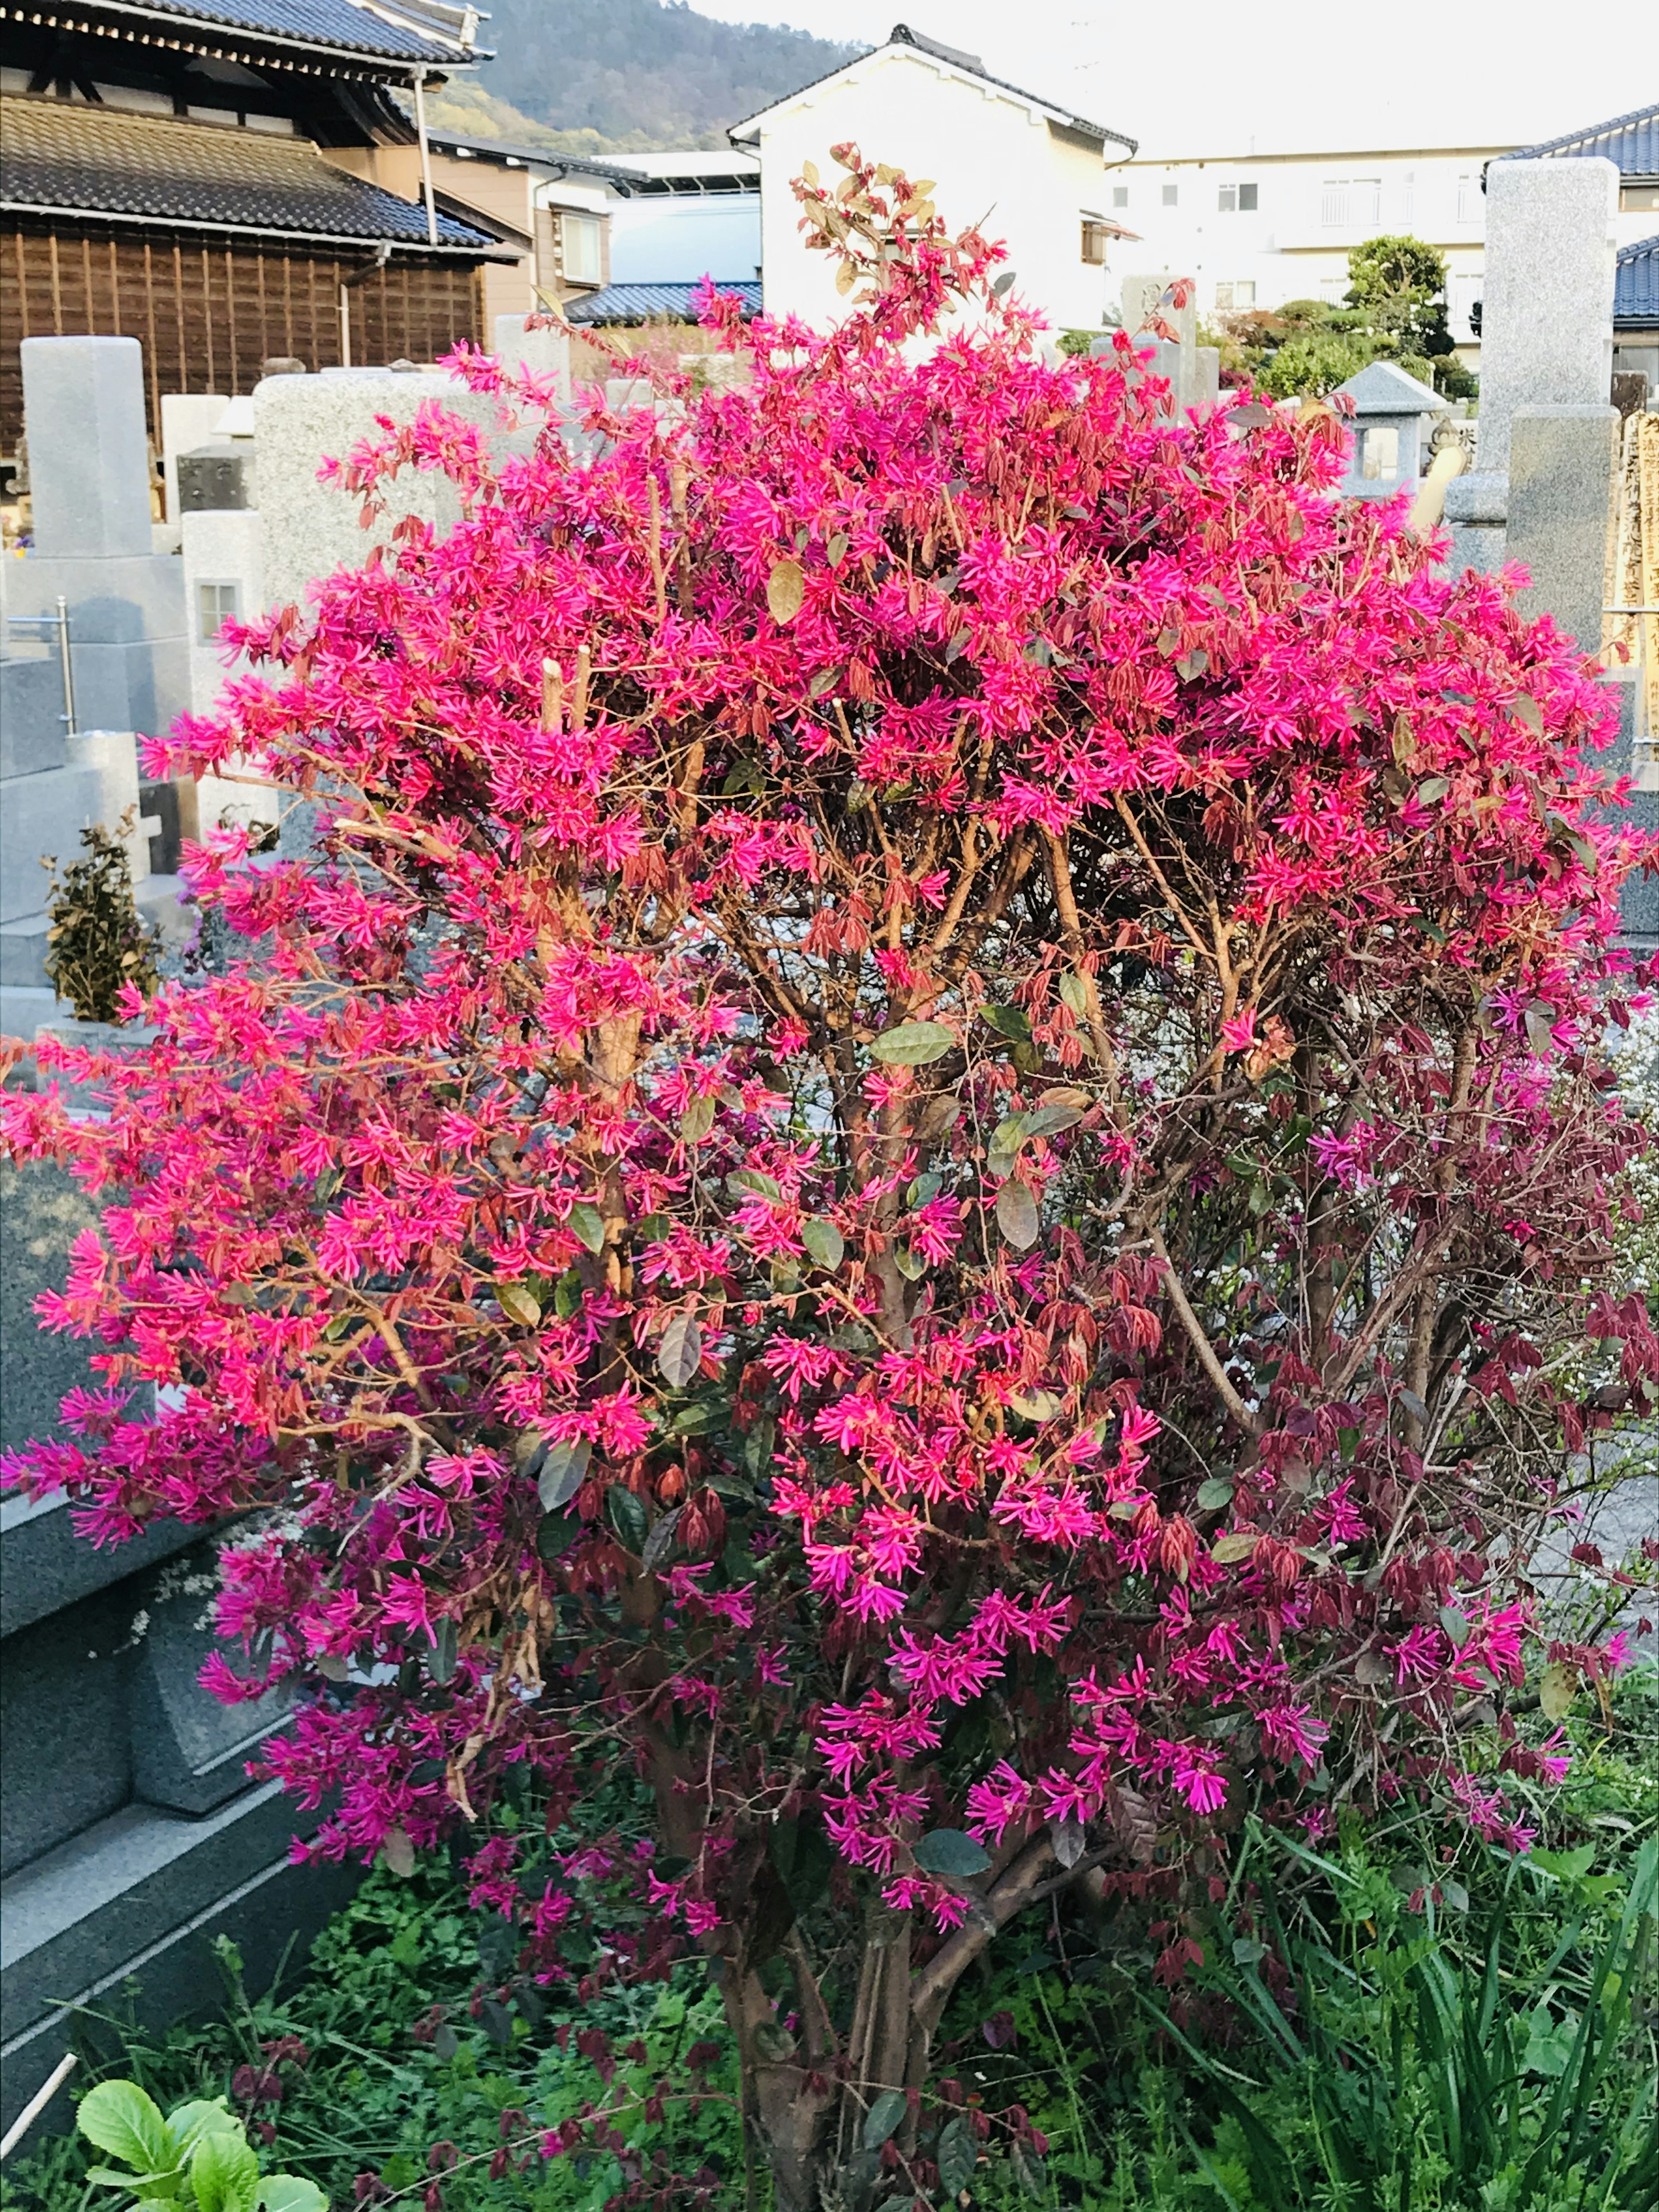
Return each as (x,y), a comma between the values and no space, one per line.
(119,2118)
(291,2192)
(884,2116)
(754,1182)
(680,1354)
(397,1850)
(188,2123)
(835,547)
(1566,1866)
(587,1222)
(950,1852)
(519,1303)
(554,1534)
(911,1265)
(660,1542)
(1074,992)
(1009,1022)
(626,1514)
(1556,1690)
(224,2172)
(1215,1493)
(785,588)
(824,1242)
(913,1044)
(1527,709)
(442,1651)
(1028,2169)
(1016,1216)
(958,2154)
(1034,1405)
(1457,1625)
(1049,1121)
(563,1473)
(697,1119)
(1227,1551)
(1433,788)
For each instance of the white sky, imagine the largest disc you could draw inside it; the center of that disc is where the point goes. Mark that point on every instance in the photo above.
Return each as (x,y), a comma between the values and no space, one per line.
(1227,76)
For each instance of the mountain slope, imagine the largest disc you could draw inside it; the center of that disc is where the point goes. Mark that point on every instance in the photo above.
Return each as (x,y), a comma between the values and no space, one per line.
(641,71)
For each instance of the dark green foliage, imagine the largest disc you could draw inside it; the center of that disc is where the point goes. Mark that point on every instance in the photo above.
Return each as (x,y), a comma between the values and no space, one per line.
(96,942)
(644,72)
(1396,310)
(1392,2023)
(384,2077)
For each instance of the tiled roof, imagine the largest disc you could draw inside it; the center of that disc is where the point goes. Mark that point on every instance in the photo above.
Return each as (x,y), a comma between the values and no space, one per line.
(903,35)
(1629,141)
(644,303)
(1636,286)
(334,25)
(60,157)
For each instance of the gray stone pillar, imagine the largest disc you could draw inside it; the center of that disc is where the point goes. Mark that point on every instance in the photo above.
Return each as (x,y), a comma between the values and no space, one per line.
(1560,480)
(1546,305)
(88,465)
(545,352)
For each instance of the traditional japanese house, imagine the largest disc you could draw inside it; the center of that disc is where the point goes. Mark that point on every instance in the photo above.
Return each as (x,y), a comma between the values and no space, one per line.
(179,172)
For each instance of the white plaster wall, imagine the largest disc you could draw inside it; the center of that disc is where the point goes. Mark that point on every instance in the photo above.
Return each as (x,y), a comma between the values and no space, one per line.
(223,546)
(994,162)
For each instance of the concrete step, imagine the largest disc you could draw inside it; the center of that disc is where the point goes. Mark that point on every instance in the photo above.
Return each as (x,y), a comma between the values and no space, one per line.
(32,735)
(140,1897)
(23,973)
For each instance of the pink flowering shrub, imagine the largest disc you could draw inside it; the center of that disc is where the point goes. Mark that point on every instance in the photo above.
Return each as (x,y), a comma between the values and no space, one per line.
(912,1160)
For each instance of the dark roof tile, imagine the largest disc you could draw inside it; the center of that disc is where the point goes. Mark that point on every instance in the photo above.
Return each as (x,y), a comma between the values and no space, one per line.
(1636,286)
(56,156)
(1629,141)
(336,25)
(644,303)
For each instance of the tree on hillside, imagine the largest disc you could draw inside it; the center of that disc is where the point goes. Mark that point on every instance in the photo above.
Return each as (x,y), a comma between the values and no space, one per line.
(912,1175)
(645,72)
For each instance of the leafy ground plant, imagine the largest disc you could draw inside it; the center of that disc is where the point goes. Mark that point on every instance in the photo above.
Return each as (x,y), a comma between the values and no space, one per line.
(197,2159)
(97,948)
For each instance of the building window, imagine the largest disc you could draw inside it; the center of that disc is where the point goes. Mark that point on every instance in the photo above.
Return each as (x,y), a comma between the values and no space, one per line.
(1235,199)
(1351,202)
(1637,198)
(1333,291)
(215,604)
(1094,240)
(1469,199)
(1240,293)
(1171,195)
(1380,456)
(1120,196)
(578,235)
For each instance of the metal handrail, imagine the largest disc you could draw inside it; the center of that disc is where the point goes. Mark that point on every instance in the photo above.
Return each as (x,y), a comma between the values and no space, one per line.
(60,622)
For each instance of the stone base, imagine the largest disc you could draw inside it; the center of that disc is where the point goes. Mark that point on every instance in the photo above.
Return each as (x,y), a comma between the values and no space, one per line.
(41,814)
(23,969)
(139,1899)
(32,731)
(25,1006)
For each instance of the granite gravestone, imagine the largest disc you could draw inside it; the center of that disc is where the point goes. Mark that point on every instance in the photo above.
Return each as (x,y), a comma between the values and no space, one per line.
(1561,466)
(1547,304)
(311,529)
(83,410)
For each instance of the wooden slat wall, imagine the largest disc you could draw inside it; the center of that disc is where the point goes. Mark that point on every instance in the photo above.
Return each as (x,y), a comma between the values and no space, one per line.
(209,313)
